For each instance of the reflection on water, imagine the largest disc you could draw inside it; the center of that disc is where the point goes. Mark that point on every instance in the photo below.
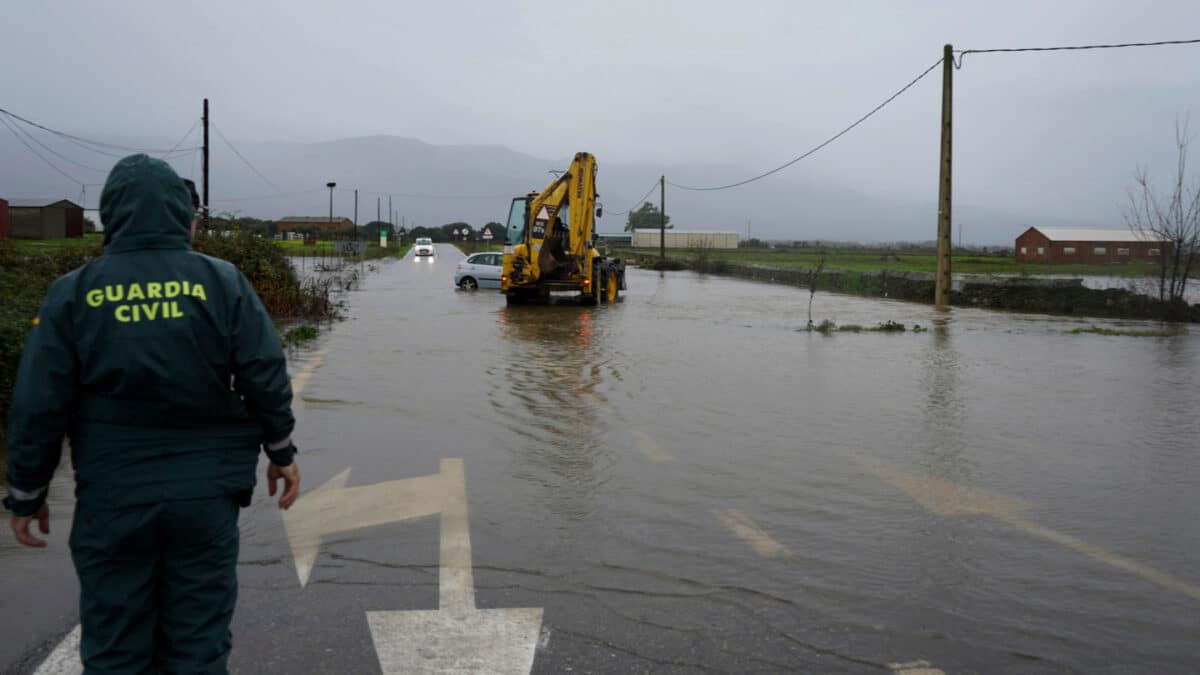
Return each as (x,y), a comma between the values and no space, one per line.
(546,388)
(943,454)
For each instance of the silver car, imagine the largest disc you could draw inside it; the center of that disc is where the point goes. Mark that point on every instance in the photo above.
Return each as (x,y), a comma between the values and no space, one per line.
(481,270)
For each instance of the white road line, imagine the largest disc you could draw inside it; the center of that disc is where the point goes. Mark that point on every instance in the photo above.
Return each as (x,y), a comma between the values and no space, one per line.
(302,377)
(745,529)
(947,498)
(914,668)
(1119,561)
(456,581)
(64,660)
(649,448)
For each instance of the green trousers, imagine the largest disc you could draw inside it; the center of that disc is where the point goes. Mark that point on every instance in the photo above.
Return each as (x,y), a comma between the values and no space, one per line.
(158,585)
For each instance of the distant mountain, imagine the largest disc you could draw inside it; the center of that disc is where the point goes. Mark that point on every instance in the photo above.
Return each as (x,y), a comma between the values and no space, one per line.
(436,184)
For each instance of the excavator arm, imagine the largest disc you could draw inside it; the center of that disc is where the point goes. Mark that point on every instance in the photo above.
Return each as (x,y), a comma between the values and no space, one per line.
(552,247)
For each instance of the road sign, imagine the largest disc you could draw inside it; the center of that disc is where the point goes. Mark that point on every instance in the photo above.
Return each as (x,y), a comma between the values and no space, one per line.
(349,247)
(487,234)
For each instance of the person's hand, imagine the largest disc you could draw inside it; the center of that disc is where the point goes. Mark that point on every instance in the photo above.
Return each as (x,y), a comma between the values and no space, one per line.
(291,483)
(20,527)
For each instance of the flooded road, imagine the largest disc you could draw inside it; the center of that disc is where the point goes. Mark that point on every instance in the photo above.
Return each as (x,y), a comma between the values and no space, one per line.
(684,482)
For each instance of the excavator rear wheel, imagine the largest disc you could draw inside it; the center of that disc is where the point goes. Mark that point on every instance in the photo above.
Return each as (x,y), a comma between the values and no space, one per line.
(611,289)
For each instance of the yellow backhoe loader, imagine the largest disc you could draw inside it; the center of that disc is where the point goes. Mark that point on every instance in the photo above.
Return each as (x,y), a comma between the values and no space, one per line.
(550,242)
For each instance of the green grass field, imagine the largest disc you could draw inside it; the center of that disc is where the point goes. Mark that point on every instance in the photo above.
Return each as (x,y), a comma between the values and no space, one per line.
(27,246)
(871,260)
(325,248)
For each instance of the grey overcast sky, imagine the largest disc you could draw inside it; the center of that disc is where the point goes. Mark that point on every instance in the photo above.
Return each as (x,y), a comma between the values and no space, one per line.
(745,85)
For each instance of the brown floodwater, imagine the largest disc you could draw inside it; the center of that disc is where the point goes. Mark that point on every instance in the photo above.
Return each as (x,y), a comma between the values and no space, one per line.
(687,481)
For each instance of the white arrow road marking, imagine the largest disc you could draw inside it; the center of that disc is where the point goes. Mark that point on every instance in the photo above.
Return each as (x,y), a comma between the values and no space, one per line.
(944,497)
(743,527)
(649,448)
(64,660)
(334,508)
(457,638)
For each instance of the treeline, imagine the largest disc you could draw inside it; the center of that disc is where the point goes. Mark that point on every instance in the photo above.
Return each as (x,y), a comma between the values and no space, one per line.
(456,231)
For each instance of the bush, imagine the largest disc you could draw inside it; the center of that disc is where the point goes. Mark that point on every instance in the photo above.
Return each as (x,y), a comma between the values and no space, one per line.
(273,278)
(26,276)
(24,280)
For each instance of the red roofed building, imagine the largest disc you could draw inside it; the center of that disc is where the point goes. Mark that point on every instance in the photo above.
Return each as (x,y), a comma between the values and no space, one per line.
(1065,245)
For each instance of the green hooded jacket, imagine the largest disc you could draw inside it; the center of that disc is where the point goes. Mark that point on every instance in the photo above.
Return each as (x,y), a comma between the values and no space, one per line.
(159,364)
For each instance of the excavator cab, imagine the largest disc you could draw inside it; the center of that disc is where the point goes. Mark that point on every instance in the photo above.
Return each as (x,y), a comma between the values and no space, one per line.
(518,214)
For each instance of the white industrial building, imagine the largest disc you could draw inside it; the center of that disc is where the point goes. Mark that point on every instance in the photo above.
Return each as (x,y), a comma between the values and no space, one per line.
(649,238)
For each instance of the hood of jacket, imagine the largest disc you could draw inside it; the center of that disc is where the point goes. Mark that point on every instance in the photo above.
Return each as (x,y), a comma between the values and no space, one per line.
(145,205)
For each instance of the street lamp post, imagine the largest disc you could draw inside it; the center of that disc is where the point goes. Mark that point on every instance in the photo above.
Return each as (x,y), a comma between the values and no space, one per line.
(331,185)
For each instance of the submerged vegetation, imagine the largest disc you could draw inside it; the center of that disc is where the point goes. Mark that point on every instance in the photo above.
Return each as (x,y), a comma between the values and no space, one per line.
(828,327)
(297,335)
(1130,332)
(278,286)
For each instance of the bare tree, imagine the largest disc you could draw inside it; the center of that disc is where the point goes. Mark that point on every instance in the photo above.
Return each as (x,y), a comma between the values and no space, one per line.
(1172,216)
(813,274)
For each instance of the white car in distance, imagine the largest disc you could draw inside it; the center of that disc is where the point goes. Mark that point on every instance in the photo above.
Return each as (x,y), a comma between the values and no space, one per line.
(423,247)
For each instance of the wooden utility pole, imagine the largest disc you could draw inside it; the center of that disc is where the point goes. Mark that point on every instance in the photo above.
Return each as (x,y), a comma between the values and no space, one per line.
(204,166)
(941,293)
(356,209)
(391,213)
(662,220)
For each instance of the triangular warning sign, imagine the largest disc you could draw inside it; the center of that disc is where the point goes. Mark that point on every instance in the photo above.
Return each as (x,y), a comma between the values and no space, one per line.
(543,214)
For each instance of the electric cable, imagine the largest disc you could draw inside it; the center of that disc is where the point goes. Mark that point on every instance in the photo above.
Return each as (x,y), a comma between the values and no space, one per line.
(244,160)
(639,202)
(52,165)
(279,195)
(1122,45)
(831,139)
(54,152)
(85,142)
(186,136)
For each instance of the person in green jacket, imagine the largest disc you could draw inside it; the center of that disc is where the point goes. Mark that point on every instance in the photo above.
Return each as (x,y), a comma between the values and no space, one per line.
(164,371)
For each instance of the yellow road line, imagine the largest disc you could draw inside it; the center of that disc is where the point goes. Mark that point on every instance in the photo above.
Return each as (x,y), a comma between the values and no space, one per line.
(650,449)
(744,528)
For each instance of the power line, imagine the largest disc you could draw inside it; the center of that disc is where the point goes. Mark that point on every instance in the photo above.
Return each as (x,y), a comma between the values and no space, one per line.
(86,143)
(186,136)
(831,139)
(272,196)
(52,165)
(1122,45)
(244,160)
(55,152)
(410,195)
(639,202)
